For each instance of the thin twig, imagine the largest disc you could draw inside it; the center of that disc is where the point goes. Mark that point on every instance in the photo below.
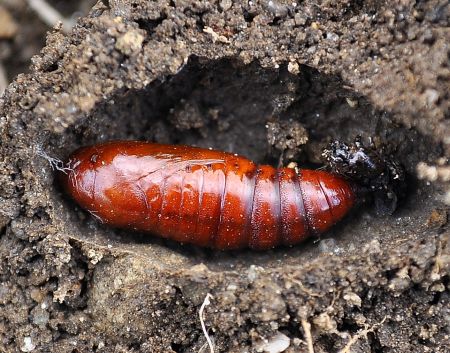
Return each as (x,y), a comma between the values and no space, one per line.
(3,79)
(307,331)
(362,333)
(50,15)
(203,347)
(206,302)
(303,288)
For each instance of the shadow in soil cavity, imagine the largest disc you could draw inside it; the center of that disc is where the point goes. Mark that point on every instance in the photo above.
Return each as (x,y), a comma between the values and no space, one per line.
(226,105)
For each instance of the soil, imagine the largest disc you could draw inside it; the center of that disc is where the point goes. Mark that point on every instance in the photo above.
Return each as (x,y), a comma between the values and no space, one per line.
(215,75)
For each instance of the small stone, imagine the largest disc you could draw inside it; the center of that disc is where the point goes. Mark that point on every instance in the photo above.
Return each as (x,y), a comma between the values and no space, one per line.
(5,293)
(325,323)
(353,298)
(39,316)
(17,229)
(232,287)
(252,273)
(297,341)
(438,287)
(332,36)
(28,345)
(328,246)
(276,344)
(447,198)
(428,37)
(351,102)
(374,247)
(300,19)
(37,295)
(401,282)
(94,256)
(431,96)
(225,4)
(293,68)
(278,9)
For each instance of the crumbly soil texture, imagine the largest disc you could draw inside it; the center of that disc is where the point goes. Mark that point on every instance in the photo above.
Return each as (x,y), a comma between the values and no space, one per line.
(249,77)
(22,30)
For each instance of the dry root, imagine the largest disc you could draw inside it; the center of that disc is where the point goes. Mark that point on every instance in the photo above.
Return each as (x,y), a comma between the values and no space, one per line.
(362,333)
(206,302)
